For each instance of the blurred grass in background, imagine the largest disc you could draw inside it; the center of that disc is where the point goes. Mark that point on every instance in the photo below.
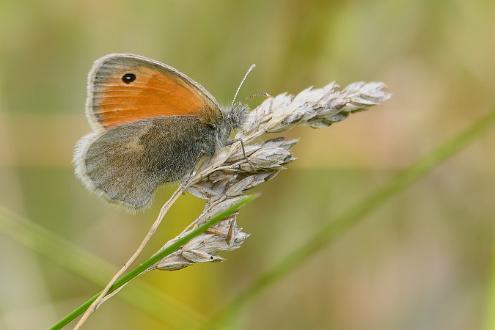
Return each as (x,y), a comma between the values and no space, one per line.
(422,262)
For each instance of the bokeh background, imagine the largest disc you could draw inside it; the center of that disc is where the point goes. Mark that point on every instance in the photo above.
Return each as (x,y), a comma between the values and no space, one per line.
(423,261)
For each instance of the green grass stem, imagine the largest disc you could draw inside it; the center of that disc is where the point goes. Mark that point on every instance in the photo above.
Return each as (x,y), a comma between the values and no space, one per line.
(97,270)
(335,228)
(124,279)
(65,254)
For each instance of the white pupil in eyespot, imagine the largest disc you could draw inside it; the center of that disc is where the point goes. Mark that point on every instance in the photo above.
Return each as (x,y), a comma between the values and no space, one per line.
(128,78)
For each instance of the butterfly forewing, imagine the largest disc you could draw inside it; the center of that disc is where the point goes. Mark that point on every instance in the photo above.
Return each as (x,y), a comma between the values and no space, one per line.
(128,88)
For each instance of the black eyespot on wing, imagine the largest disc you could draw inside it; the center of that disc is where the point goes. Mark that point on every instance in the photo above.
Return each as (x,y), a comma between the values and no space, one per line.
(128,78)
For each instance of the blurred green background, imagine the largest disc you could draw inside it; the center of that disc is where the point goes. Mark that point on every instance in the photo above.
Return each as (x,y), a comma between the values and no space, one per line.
(421,262)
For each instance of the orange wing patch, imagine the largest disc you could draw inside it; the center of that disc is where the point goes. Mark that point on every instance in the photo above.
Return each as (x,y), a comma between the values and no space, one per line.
(128,89)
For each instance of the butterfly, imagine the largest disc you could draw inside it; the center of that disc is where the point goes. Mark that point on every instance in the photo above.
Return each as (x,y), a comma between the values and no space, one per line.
(150,125)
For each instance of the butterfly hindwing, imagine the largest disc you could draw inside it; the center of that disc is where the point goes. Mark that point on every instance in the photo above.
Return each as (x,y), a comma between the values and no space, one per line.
(126,163)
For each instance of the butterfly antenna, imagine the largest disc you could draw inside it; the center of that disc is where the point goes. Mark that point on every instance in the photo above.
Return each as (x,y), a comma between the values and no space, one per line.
(250,97)
(242,82)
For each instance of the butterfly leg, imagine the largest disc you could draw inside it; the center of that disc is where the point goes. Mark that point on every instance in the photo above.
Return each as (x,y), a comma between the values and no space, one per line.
(243,152)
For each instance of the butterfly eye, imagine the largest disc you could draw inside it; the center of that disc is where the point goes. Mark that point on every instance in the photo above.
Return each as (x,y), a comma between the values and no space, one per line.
(128,78)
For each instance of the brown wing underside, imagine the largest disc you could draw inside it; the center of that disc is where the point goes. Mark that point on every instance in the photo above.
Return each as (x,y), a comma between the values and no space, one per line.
(126,163)
(156,90)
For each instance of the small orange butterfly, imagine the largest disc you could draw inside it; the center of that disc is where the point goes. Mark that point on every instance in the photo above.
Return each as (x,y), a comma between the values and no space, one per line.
(151,124)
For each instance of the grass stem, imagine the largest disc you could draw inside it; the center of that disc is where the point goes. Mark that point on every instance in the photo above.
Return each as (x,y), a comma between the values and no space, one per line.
(356,214)
(124,279)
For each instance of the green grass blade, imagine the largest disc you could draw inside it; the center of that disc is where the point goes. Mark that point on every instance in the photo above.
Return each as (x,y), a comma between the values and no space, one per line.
(353,215)
(156,257)
(96,270)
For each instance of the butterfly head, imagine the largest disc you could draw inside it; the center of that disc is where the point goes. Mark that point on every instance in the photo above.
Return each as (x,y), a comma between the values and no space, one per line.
(233,118)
